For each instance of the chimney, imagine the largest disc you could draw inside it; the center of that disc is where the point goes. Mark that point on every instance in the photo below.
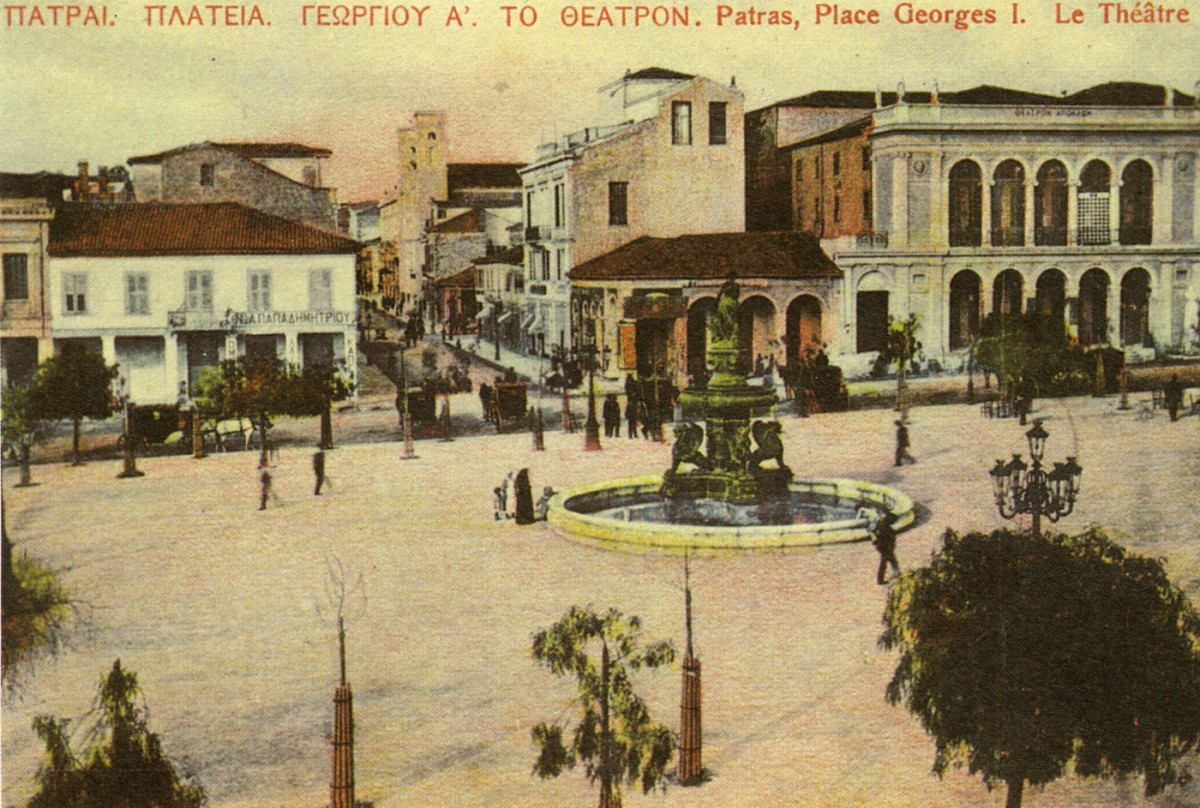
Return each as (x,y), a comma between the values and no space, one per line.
(341,789)
(84,180)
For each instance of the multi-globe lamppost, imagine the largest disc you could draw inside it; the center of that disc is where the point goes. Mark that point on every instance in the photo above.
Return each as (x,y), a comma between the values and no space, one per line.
(1021,488)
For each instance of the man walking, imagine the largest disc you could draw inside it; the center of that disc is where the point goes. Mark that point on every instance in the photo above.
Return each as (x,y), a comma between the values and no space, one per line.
(885,543)
(319,470)
(1173,396)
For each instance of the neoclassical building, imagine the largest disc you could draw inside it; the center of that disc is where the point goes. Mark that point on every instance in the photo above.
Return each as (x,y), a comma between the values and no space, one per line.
(1083,206)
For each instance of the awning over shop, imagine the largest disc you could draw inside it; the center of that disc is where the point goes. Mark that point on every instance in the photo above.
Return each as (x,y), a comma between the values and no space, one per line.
(506,316)
(485,312)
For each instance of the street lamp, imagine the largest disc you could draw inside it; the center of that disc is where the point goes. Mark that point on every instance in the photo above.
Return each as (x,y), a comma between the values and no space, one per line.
(1030,489)
(122,394)
(591,427)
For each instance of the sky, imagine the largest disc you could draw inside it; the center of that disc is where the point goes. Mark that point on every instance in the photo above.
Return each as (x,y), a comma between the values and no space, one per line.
(105,94)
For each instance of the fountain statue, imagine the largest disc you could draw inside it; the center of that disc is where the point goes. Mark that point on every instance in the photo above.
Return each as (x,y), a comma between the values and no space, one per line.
(728,486)
(730,471)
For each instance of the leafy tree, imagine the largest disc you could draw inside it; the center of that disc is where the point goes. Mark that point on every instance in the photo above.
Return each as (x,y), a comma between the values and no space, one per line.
(900,347)
(23,424)
(124,766)
(34,610)
(1022,655)
(74,384)
(614,737)
(259,388)
(1030,349)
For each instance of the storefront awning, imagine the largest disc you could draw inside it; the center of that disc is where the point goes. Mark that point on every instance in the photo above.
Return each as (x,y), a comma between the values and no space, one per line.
(485,312)
(528,321)
(506,316)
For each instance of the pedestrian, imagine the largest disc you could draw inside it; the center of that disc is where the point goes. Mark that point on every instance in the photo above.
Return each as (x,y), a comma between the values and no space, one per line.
(1173,396)
(524,497)
(319,471)
(497,503)
(485,400)
(885,543)
(543,504)
(631,416)
(612,416)
(902,444)
(643,416)
(508,487)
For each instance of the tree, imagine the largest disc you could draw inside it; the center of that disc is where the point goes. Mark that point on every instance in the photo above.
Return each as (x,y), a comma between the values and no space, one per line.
(34,610)
(22,423)
(900,347)
(1030,349)
(312,391)
(125,765)
(75,384)
(615,738)
(1022,655)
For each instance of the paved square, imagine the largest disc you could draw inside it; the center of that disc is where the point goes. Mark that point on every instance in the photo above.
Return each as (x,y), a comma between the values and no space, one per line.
(221,610)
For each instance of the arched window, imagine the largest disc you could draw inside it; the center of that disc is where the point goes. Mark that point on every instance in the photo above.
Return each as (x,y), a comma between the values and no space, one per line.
(1006,294)
(1008,205)
(965,309)
(1135,307)
(803,327)
(1050,205)
(1049,307)
(1137,197)
(966,205)
(1094,189)
(1093,307)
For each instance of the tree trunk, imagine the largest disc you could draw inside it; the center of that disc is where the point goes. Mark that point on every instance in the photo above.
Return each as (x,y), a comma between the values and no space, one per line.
(76,437)
(26,476)
(262,440)
(1016,789)
(326,441)
(610,797)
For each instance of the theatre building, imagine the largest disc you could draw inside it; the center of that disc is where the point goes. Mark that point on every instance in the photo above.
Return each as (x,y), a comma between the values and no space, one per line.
(1084,207)
(166,290)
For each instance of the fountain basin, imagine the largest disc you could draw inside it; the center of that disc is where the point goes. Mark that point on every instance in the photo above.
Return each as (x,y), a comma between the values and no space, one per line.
(630,513)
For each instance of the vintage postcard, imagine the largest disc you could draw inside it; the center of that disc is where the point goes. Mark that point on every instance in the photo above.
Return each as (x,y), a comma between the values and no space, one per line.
(554,403)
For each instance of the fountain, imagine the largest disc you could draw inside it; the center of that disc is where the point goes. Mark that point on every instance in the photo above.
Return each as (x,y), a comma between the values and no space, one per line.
(738,493)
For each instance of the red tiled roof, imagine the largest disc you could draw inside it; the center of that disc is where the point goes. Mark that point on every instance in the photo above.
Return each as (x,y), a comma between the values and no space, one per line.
(252,151)
(482,175)
(1129,94)
(514,256)
(222,228)
(459,280)
(470,221)
(658,73)
(786,255)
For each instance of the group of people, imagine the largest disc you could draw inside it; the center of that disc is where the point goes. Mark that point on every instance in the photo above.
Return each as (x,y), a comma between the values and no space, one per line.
(266,491)
(513,499)
(641,418)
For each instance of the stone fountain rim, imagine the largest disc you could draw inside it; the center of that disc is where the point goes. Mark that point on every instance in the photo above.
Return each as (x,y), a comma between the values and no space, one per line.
(607,530)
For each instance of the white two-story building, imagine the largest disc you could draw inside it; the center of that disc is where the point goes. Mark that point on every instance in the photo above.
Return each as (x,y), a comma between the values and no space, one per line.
(165,290)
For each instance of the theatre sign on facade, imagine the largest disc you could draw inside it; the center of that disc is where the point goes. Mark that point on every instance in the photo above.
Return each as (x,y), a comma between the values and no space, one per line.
(989,200)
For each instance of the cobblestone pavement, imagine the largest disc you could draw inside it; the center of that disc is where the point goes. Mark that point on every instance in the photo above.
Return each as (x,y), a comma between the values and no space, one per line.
(221,610)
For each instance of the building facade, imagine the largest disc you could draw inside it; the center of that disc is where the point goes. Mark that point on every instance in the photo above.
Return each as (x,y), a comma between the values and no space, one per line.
(166,290)
(665,159)
(1082,207)
(282,179)
(24,302)
(649,301)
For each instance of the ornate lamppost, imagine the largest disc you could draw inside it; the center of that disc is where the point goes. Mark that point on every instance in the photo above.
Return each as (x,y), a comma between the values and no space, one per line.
(122,394)
(591,427)
(1031,489)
